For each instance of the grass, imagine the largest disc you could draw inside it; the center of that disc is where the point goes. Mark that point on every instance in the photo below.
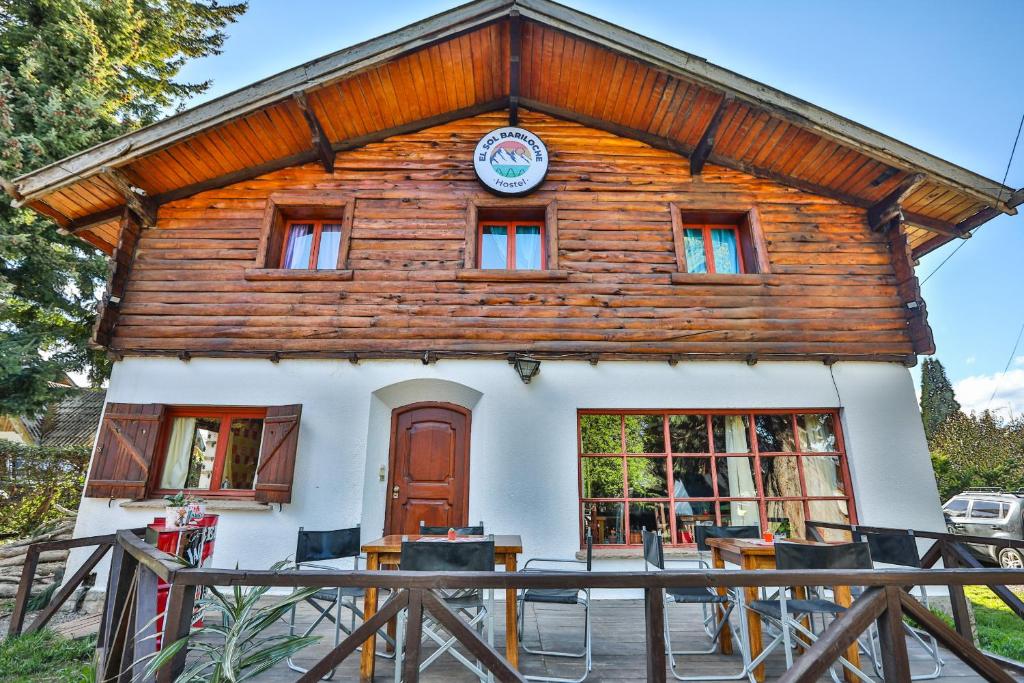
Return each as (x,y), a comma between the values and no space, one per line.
(999,630)
(45,657)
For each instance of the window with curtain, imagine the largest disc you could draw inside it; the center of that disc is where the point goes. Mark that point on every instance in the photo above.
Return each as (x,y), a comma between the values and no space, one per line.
(211,451)
(509,245)
(311,245)
(712,249)
(672,471)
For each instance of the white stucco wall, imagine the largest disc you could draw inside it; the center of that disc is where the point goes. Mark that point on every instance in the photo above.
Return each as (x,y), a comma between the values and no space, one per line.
(523,471)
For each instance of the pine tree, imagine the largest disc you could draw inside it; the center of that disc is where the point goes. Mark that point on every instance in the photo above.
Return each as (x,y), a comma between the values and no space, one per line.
(74,73)
(938,402)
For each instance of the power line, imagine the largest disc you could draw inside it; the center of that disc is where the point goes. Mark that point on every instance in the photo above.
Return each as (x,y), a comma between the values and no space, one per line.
(999,198)
(962,243)
(1008,361)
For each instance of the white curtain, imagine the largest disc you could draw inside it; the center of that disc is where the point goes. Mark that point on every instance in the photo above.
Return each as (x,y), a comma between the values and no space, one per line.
(741,479)
(179,453)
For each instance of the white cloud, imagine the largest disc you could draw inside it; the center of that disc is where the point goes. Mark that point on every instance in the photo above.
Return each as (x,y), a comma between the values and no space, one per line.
(970,360)
(974,393)
(1018,360)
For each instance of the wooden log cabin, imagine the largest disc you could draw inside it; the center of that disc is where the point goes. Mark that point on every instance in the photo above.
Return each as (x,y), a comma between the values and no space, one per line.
(515,264)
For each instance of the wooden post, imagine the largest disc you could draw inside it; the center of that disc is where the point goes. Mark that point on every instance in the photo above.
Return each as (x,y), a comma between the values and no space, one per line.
(120,586)
(413,637)
(61,596)
(177,623)
(957,599)
(144,631)
(28,573)
(654,612)
(892,639)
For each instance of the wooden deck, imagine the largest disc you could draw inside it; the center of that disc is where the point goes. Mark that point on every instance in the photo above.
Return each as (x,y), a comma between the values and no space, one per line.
(619,653)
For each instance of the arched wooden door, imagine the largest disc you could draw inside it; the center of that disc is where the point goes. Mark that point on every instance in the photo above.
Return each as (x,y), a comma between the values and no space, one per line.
(429,467)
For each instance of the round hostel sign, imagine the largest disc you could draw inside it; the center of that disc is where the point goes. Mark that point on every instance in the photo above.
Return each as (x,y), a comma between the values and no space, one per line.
(511,161)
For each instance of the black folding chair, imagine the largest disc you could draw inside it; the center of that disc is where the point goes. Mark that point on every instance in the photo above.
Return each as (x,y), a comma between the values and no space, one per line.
(450,556)
(785,614)
(900,549)
(477,530)
(312,548)
(716,609)
(560,596)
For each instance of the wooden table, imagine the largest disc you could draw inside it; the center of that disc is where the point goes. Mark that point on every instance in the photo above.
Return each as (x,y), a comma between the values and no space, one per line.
(387,551)
(757,554)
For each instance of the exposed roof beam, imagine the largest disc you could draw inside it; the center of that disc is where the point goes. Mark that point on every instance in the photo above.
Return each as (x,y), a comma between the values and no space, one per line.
(246,100)
(515,52)
(685,150)
(707,140)
(141,205)
(889,210)
(931,225)
(340,146)
(793,109)
(92,220)
(321,143)
(474,15)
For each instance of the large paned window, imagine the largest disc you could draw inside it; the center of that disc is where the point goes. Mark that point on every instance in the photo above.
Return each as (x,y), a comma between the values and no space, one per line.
(211,451)
(671,470)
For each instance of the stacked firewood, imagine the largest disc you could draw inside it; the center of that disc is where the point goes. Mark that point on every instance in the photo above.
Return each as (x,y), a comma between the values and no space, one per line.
(51,563)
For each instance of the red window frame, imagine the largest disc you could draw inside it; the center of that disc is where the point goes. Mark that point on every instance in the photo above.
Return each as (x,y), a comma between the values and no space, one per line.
(761,500)
(512,228)
(314,253)
(709,256)
(225,415)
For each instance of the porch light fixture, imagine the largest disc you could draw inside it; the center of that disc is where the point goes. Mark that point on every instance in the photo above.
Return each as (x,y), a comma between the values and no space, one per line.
(526,366)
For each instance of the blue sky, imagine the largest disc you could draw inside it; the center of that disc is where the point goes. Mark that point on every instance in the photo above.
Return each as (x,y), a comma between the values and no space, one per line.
(940,75)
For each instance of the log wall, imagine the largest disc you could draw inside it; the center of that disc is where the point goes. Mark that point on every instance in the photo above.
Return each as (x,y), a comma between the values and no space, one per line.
(831,290)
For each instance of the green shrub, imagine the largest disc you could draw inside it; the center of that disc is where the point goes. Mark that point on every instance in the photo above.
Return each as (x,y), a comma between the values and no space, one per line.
(38,485)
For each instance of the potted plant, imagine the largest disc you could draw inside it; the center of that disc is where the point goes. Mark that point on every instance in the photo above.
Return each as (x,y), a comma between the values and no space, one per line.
(177,510)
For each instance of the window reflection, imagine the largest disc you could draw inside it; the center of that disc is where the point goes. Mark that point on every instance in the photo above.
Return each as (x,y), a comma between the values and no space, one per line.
(650,516)
(688,433)
(815,433)
(602,478)
(605,521)
(692,478)
(774,433)
(645,434)
(648,477)
(736,477)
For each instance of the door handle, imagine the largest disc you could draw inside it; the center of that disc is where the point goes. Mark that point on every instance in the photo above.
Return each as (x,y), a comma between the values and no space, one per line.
(394,491)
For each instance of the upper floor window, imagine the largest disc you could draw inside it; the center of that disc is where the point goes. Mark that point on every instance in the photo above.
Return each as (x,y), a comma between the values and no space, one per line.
(311,245)
(713,249)
(717,242)
(512,245)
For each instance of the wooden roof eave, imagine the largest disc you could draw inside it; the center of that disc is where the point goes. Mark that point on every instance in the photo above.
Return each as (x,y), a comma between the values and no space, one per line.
(36,185)
(788,107)
(123,149)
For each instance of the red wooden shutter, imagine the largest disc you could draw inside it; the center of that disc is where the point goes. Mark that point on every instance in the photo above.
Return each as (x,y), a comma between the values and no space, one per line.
(125,450)
(277,456)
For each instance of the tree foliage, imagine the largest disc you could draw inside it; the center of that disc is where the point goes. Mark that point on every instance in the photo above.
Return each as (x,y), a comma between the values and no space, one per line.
(39,485)
(938,402)
(978,450)
(74,73)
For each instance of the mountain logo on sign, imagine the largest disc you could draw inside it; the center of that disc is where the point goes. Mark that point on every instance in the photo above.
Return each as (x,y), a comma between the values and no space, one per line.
(511,159)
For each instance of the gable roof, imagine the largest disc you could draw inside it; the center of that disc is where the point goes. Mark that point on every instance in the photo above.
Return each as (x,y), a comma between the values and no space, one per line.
(496,54)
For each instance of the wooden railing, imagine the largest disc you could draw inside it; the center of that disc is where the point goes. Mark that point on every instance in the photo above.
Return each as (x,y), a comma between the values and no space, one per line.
(129,624)
(16,627)
(954,554)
